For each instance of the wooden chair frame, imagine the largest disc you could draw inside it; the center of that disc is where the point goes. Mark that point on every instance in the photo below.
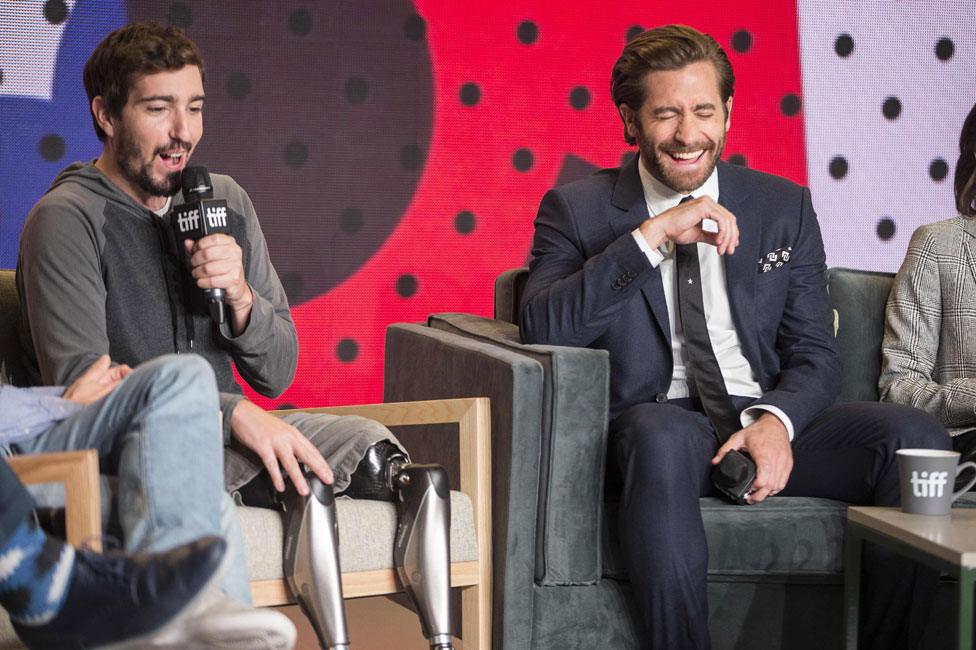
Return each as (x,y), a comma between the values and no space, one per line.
(473,418)
(78,472)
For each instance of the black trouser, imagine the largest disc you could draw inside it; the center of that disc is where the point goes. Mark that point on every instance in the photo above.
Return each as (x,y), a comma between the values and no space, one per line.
(16,503)
(847,453)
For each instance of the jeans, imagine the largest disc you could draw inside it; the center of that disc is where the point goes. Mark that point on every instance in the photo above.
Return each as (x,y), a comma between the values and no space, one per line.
(159,433)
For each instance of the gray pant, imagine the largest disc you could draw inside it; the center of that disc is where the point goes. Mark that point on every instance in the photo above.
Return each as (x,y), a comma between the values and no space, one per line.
(343,440)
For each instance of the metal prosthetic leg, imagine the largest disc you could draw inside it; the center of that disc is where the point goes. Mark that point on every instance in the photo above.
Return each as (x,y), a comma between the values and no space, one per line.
(311,562)
(422,549)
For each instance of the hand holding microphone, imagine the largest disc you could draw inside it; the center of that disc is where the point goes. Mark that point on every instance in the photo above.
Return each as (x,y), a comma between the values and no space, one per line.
(214,257)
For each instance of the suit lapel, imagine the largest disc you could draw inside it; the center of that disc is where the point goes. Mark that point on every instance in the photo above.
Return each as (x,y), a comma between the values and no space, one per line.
(631,211)
(969,243)
(741,267)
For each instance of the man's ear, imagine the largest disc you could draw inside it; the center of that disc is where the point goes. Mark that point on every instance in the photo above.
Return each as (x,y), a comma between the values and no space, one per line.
(103,116)
(728,113)
(629,117)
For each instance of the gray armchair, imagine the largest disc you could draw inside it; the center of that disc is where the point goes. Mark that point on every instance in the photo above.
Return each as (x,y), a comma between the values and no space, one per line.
(775,570)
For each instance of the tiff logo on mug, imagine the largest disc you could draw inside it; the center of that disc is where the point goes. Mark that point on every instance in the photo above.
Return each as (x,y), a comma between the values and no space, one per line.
(929,484)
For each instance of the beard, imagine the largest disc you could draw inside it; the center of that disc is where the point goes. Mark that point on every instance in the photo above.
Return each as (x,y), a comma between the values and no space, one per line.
(140,174)
(653,157)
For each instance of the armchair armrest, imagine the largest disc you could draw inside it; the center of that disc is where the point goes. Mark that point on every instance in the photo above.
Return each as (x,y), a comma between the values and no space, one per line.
(549,428)
(78,472)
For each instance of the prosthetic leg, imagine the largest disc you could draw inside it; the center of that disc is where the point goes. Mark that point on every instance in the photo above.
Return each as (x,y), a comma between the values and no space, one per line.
(311,562)
(421,549)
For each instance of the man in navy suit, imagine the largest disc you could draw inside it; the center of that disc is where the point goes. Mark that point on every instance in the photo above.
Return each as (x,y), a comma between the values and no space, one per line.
(613,256)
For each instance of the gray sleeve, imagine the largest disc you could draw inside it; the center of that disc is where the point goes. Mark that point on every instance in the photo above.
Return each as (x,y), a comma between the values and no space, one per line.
(266,352)
(912,340)
(228,402)
(62,292)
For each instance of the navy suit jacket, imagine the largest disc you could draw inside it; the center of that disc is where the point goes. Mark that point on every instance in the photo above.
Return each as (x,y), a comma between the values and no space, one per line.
(590,285)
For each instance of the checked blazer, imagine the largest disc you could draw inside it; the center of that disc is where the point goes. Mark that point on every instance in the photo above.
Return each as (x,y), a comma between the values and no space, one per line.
(929,349)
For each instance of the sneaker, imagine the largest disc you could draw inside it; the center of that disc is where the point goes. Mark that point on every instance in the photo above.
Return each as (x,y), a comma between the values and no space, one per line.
(228,624)
(118,602)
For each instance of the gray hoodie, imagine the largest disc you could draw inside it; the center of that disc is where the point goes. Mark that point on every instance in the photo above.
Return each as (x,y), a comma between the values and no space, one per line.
(98,273)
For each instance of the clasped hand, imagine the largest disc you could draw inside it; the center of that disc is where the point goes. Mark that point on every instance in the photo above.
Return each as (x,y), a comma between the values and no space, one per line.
(682,224)
(99,380)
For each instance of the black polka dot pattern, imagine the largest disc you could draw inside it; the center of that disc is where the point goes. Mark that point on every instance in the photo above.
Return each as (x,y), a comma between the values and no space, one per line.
(347,350)
(522,160)
(415,28)
(528,32)
(51,147)
(944,49)
(180,15)
(327,135)
(741,41)
(844,45)
(464,222)
(296,153)
(579,98)
(356,90)
(789,105)
(351,221)
(891,108)
(300,22)
(238,85)
(738,159)
(293,284)
(406,285)
(411,157)
(838,167)
(886,228)
(55,11)
(633,32)
(938,170)
(470,94)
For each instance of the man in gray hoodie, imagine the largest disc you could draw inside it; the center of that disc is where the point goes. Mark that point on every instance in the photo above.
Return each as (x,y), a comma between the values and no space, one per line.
(101,271)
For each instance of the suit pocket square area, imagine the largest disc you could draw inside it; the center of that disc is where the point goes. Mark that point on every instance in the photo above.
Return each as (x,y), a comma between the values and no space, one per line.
(775,259)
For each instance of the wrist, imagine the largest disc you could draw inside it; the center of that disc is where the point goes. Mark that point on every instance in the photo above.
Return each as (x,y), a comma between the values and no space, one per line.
(243,301)
(654,234)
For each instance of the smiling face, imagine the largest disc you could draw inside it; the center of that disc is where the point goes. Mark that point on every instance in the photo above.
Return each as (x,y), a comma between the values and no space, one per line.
(681,126)
(149,143)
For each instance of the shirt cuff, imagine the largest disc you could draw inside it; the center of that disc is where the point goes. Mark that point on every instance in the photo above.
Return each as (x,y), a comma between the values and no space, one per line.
(749,416)
(654,256)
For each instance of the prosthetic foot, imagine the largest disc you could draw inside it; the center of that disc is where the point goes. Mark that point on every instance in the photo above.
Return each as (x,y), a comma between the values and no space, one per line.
(422,550)
(311,562)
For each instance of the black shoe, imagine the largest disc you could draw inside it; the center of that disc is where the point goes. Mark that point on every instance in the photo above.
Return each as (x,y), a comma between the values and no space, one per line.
(116,598)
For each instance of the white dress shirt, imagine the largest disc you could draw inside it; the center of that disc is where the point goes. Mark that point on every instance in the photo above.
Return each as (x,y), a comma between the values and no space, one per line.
(738,375)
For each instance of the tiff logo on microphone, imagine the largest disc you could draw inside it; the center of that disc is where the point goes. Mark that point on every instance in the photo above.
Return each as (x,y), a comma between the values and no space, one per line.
(217,216)
(188,221)
(929,484)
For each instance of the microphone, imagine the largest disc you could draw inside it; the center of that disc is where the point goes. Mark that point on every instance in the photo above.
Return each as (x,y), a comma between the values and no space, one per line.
(201,215)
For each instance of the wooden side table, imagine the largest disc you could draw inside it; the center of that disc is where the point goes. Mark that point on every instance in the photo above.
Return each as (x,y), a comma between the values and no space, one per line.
(943,542)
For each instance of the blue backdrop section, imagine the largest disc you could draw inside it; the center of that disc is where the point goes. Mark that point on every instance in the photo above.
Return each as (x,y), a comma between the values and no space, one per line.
(62,124)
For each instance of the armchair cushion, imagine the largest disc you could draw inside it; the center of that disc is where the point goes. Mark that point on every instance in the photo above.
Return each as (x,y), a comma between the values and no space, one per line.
(367,529)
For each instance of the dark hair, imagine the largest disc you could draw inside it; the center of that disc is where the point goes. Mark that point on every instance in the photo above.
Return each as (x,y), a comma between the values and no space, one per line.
(671,47)
(132,51)
(965,183)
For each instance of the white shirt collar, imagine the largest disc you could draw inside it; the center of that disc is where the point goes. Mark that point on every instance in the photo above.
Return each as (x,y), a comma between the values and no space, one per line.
(163,210)
(660,197)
